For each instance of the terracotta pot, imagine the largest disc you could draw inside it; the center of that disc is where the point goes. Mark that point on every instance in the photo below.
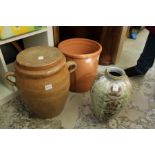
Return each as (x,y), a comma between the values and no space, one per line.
(85,53)
(111,91)
(42,78)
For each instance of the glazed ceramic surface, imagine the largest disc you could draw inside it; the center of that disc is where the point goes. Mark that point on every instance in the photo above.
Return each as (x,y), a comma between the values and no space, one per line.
(85,53)
(42,78)
(110,92)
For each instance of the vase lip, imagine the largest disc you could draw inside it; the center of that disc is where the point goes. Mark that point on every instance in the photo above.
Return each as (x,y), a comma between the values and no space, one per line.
(115,72)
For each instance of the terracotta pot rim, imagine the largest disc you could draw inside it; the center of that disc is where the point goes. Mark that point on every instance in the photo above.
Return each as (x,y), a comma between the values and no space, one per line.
(81,56)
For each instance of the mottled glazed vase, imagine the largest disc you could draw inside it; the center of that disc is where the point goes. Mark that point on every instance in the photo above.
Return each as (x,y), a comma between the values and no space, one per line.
(43,80)
(85,53)
(109,93)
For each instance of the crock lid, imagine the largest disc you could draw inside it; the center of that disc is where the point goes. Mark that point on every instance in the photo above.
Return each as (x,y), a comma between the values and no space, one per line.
(39,57)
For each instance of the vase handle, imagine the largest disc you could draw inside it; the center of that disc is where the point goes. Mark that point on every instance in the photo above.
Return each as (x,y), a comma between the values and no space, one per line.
(115,90)
(10,74)
(71,66)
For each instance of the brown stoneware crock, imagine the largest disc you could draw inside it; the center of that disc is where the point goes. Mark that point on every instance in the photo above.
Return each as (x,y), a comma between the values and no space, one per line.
(85,53)
(43,80)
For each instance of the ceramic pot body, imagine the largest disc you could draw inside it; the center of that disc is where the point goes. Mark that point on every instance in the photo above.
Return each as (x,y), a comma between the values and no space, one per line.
(110,92)
(85,53)
(42,78)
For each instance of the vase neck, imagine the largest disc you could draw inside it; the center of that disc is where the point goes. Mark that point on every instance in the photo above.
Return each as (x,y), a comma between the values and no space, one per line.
(115,73)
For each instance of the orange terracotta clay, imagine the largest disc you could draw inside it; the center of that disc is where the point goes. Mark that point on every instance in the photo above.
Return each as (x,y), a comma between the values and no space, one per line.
(85,53)
(42,78)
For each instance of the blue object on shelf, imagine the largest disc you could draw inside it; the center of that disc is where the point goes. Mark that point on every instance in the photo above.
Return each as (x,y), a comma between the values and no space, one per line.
(133,35)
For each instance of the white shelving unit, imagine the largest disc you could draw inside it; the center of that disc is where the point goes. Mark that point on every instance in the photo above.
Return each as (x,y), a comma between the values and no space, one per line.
(40,37)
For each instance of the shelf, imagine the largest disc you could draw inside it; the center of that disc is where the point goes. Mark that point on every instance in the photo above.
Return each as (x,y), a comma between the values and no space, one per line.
(22,36)
(5,94)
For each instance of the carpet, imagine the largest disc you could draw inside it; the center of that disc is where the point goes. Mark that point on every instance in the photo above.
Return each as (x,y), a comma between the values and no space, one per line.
(13,115)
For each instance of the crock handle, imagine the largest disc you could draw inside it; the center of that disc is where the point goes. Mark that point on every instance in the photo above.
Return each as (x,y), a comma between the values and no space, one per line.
(71,66)
(10,74)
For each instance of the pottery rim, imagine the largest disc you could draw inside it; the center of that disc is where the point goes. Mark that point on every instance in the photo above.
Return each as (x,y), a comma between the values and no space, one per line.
(86,55)
(117,70)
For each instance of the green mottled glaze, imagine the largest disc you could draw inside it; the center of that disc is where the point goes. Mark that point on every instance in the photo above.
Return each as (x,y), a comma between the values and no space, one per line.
(110,92)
